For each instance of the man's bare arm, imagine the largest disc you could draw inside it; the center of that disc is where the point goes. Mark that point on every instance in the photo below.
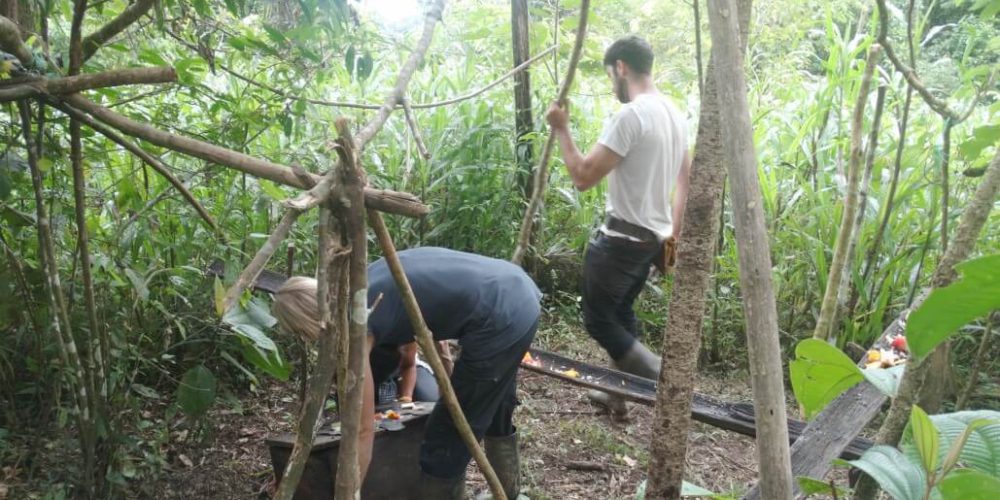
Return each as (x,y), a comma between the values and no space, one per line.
(586,171)
(407,371)
(367,435)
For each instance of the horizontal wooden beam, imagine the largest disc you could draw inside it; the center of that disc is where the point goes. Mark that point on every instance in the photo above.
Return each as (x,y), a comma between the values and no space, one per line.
(78,83)
(379,199)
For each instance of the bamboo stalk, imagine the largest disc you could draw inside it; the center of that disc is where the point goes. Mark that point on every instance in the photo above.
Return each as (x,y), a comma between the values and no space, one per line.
(826,322)
(542,172)
(984,345)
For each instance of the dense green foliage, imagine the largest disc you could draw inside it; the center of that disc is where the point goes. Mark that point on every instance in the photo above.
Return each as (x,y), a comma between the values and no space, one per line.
(149,248)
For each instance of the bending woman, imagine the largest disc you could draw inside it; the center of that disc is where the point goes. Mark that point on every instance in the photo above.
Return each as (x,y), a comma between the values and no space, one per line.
(491,307)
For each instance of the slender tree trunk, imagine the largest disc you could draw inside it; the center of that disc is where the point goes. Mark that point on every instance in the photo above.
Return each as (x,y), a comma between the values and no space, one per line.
(872,255)
(969,227)
(542,172)
(828,311)
(754,253)
(692,279)
(848,291)
(984,347)
(523,124)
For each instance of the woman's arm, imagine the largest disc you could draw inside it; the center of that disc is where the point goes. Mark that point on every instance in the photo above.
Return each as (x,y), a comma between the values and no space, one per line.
(407,371)
(367,437)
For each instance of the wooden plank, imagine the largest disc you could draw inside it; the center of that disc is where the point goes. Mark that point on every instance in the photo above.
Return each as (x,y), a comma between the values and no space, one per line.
(834,431)
(736,417)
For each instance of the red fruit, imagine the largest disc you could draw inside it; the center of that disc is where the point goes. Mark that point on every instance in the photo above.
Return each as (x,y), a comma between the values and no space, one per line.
(899,343)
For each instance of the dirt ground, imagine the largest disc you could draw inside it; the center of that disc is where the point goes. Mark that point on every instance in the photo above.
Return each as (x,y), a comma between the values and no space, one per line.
(570,449)
(564,439)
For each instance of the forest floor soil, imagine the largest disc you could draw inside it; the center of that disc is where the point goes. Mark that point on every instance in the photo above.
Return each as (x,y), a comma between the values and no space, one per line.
(570,449)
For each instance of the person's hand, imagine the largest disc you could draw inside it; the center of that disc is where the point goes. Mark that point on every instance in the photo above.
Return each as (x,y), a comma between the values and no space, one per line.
(557,116)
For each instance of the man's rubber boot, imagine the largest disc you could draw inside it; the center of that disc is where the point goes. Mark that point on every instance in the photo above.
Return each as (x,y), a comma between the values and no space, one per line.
(503,455)
(433,488)
(613,403)
(639,360)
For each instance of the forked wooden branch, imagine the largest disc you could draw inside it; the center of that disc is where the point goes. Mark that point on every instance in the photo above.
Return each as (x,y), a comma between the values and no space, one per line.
(939,106)
(395,96)
(351,391)
(387,201)
(256,265)
(10,42)
(143,155)
(131,14)
(411,121)
(425,339)
(542,172)
(77,83)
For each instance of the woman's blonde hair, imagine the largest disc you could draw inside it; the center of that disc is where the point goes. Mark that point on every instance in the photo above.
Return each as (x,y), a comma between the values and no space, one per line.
(295,308)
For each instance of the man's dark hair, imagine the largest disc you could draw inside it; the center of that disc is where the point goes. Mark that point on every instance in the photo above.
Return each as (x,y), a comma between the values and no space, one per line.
(631,50)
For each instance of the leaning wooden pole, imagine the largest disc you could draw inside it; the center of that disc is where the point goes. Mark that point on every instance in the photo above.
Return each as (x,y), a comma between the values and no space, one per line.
(425,339)
(331,297)
(542,172)
(754,254)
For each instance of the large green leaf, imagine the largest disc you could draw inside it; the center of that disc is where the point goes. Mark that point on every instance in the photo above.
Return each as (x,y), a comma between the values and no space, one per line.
(925,438)
(885,380)
(974,294)
(899,477)
(250,323)
(819,373)
(196,392)
(982,448)
(969,485)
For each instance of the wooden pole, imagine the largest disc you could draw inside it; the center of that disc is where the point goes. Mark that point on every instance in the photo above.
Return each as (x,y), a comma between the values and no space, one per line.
(78,83)
(754,254)
(384,200)
(542,172)
(351,391)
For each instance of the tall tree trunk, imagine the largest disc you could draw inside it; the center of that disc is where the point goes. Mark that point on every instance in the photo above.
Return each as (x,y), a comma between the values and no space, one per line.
(523,124)
(692,278)
(828,311)
(969,227)
(541,177)
(754,254)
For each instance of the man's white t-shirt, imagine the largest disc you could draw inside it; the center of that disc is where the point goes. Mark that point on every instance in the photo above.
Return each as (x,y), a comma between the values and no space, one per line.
(650,135)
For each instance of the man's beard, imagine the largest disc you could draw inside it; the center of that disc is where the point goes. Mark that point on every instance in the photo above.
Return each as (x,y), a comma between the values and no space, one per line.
(621,90)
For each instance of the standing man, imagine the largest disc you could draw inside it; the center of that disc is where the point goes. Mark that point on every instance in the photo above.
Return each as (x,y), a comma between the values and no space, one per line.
(643,152)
